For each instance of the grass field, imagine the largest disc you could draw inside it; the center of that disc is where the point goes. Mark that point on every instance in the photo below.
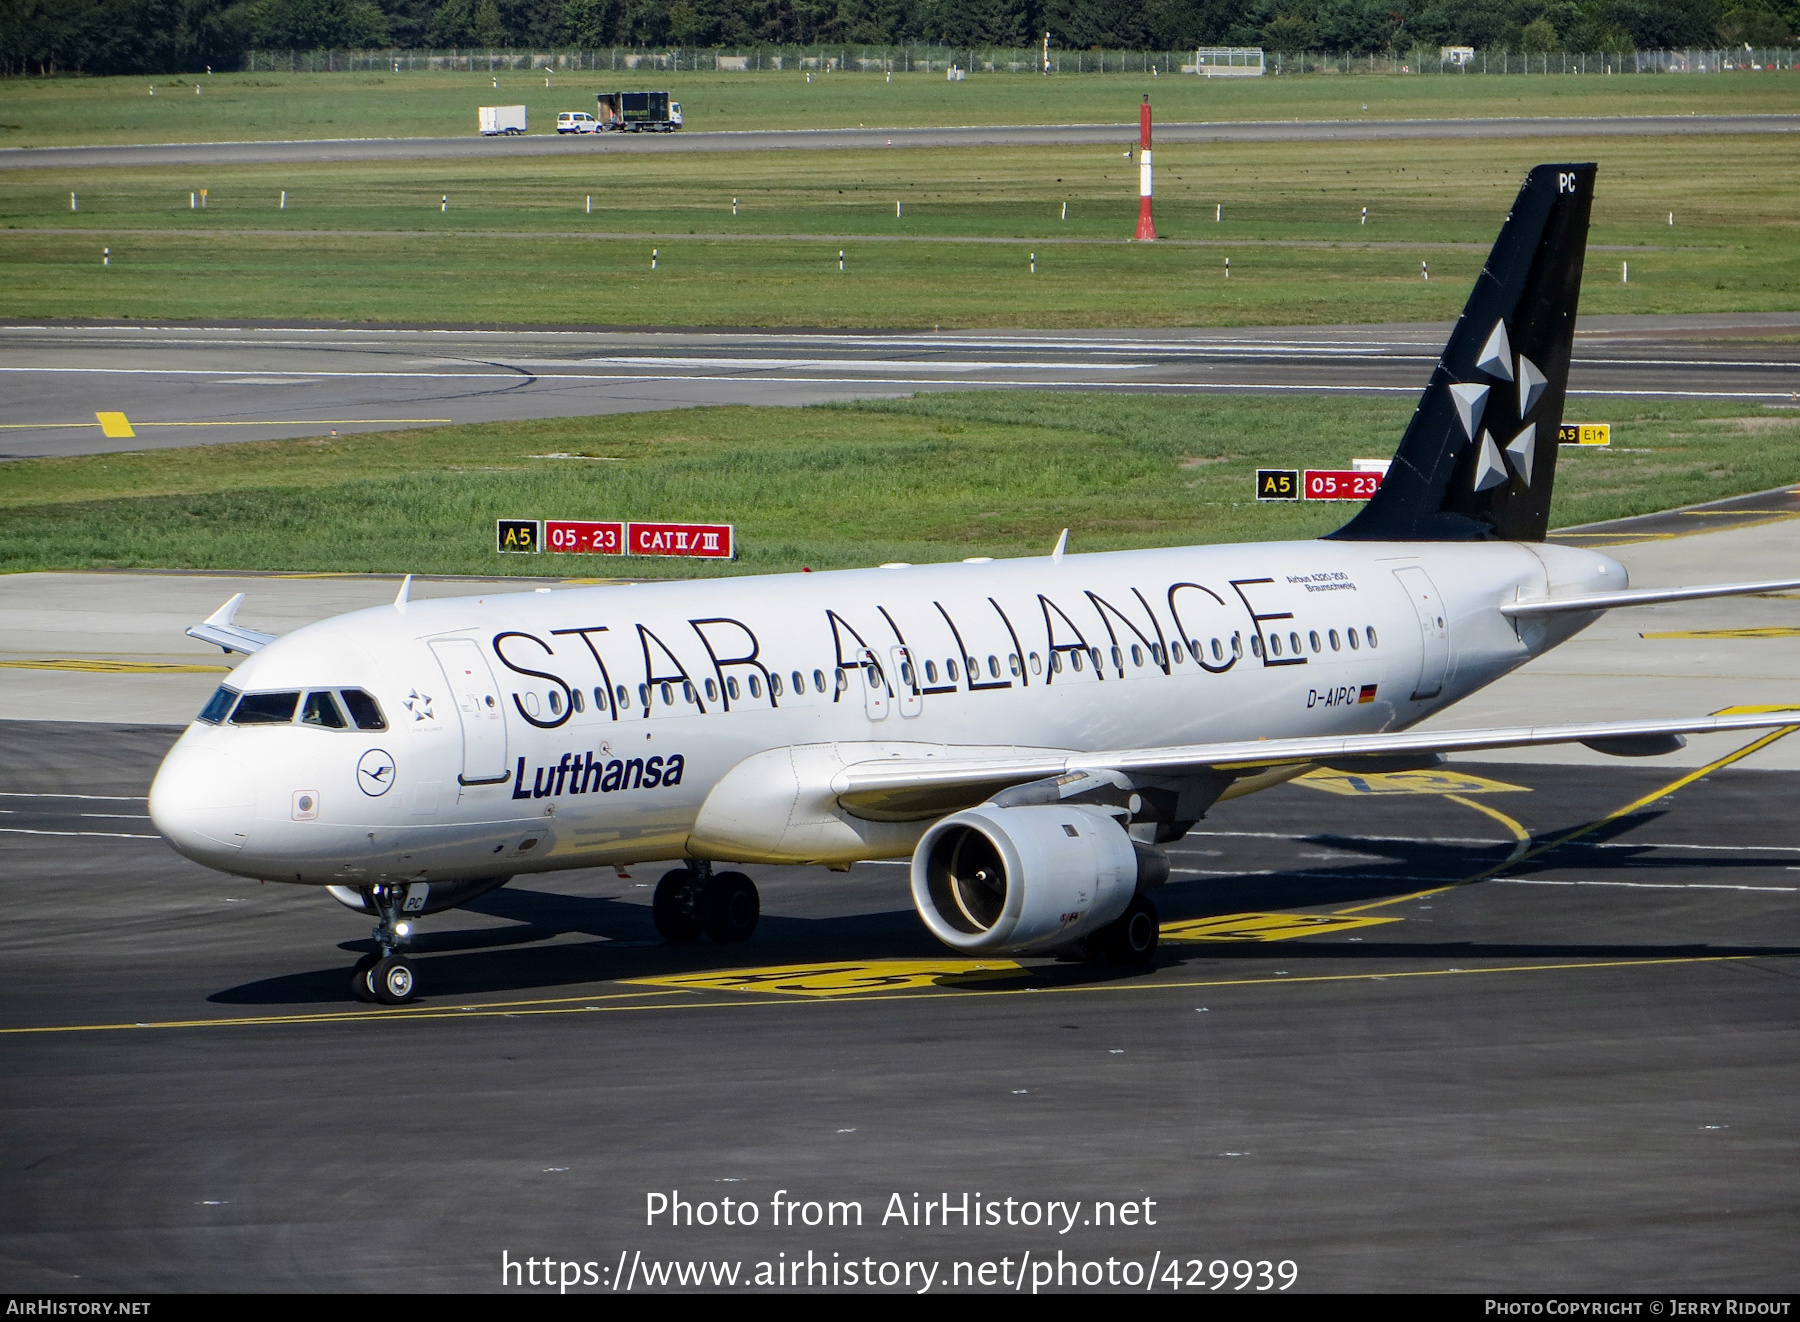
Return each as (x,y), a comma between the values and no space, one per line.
(247,107)
(828,487)
(368,241)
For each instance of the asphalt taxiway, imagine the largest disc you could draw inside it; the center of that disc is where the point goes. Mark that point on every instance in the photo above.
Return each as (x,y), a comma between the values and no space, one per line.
(177,385)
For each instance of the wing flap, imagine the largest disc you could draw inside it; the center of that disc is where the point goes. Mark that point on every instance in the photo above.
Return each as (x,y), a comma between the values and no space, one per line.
(885,781)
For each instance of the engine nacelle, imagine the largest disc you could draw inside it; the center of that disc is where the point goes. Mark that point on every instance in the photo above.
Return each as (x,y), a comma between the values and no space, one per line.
(422,897)
(995,879)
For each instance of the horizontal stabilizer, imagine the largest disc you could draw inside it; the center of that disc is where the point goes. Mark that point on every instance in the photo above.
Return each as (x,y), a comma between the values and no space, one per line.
(1605,601)
(219,630)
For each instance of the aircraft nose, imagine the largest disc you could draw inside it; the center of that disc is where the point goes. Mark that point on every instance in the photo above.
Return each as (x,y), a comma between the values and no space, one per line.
(203,802)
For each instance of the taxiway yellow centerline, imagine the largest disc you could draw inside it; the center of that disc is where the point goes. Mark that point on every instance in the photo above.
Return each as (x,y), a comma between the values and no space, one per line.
(585,1004)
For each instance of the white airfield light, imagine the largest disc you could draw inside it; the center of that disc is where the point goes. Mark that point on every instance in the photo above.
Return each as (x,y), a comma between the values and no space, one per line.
(1025,734)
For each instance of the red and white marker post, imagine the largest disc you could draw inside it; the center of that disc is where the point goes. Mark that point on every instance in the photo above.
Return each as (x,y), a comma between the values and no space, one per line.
(1146,226)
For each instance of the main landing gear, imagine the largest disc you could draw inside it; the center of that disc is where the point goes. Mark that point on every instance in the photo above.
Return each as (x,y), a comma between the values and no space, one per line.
(1128,941)
(385,976)
(694,900)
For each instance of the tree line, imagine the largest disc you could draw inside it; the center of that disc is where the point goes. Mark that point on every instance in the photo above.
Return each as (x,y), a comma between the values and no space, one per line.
(170,36)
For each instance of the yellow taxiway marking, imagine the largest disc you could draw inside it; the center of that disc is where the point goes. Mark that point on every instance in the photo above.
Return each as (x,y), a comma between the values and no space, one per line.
(1524,841)
(117,667)
(1262,926)
(1405,782)
(843,979)
(117,424)
(1772,631)
(587,1004)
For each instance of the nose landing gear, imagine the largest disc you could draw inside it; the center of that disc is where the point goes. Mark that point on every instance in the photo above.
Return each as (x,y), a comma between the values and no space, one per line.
(385,976)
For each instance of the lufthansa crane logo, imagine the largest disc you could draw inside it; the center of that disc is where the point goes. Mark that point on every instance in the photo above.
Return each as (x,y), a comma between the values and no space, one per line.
(375,773)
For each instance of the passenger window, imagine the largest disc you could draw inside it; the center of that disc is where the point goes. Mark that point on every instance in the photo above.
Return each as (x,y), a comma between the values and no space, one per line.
(575,700)
(363,710)
(687,691)
(712,691)
(1274,644)
(843,680)
(905,674)
(1255,645)
(1217,651)
(1237,644)
(950,670)
(1294,638)
(599,698)
(931,672)
(799,683)
(1354,642)
(265,709)
(818,681)
(1313,637)
(1075,658)
(1175,653)
(755,687)
(217,705)
(1056,663)
(974,670)
(644,696)
(1156,652)
(1094,654)
(623,695)
(1012,662)
(1037,664)
(321,709)
(731,685)
(555,703)
(668,694)
(1332,636)
(993,666)
(1118,658)
(1370,631)
(774,684)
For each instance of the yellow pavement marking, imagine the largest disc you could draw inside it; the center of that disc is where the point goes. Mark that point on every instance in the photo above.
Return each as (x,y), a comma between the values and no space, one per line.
(1262,926)
(115,424)
(1523,848)
(586,1004)
(1405,782)
(1772,631)
(1756,709)
(117,667)
(843,979)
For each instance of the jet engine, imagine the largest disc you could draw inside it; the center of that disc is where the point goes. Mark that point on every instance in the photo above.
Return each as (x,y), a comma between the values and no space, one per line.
(1017,879)
(422,897)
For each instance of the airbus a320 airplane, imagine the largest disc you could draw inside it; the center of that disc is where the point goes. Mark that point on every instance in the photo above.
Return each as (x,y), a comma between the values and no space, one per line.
(1028,731)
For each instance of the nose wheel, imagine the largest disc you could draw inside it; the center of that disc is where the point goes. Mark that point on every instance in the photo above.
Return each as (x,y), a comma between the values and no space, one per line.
(385,976)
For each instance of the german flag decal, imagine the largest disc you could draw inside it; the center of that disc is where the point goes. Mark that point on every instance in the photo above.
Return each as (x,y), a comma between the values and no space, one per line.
(1367,694)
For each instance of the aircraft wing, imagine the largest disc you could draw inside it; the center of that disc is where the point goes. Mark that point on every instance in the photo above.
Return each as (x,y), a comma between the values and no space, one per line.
(219,630)
(888,784)
(1601,601)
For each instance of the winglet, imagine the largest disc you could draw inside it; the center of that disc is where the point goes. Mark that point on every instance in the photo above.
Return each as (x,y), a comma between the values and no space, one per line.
(404,595)
(222,632)
(1062,544)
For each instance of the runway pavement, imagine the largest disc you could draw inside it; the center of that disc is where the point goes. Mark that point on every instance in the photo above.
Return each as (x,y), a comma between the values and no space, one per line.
(193,385)
(860,139)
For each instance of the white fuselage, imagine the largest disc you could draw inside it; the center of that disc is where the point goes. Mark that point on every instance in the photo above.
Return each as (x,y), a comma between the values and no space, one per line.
(586,726)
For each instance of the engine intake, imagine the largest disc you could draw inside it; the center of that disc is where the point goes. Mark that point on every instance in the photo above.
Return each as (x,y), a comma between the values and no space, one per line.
(995,879)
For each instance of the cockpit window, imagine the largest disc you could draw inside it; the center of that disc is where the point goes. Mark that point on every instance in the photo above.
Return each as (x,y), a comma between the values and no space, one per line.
(218,705)
(363,710)
(265,709)
(322,709)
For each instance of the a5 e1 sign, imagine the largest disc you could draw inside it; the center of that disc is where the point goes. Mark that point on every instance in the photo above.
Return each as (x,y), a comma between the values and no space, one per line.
(517,536)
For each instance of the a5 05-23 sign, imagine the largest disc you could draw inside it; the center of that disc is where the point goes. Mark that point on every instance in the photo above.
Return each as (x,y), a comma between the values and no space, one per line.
(705,541)
(1315,484)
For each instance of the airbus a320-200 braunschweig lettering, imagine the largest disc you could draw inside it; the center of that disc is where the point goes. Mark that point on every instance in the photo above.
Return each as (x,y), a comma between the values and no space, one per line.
(1027,731)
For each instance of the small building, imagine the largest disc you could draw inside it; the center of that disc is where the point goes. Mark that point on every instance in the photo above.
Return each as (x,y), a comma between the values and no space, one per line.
(1227,62)
(1456,55)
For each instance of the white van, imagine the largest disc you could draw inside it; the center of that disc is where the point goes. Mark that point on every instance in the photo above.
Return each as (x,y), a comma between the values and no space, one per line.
(576,121)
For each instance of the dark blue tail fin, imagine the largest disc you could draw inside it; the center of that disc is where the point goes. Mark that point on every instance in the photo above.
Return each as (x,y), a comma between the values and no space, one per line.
(1479,458)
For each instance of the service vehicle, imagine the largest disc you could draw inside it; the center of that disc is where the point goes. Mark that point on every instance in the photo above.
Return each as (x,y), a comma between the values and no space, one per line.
(496,121)
(576,121)
(638,112)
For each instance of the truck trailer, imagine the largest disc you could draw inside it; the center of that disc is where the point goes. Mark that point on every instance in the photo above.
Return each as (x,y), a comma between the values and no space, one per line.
(496,120)
(637,112)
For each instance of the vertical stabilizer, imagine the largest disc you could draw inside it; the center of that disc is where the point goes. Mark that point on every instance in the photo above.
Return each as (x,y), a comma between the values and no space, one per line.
(1479,457)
